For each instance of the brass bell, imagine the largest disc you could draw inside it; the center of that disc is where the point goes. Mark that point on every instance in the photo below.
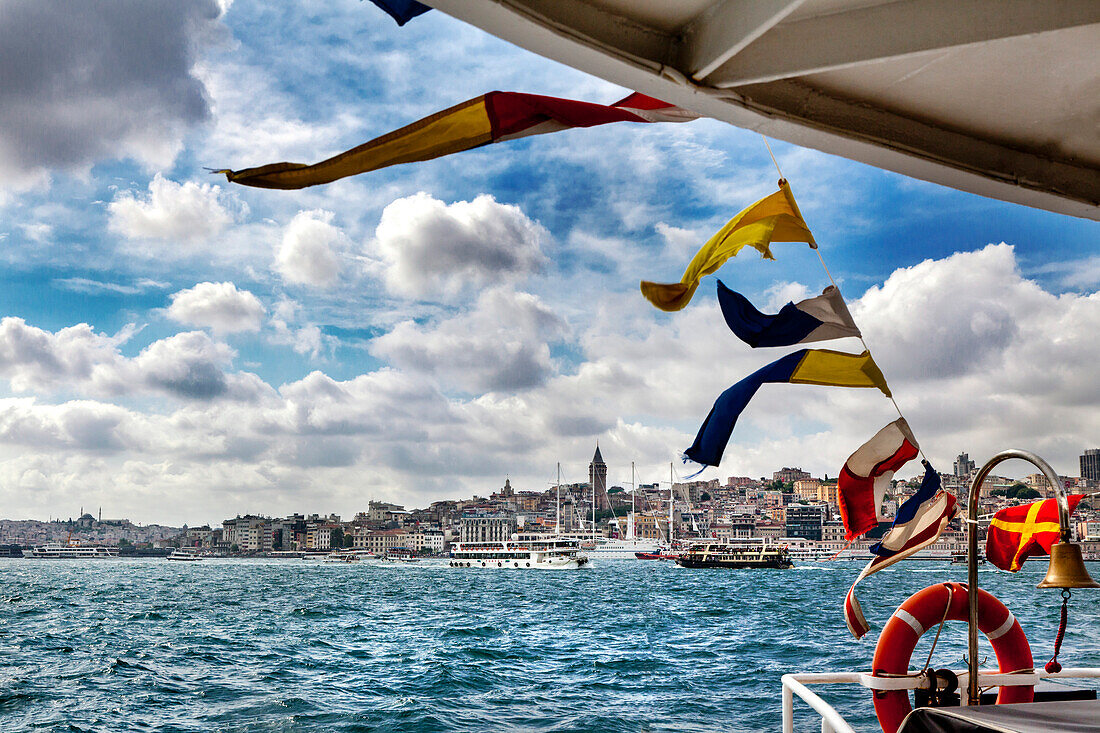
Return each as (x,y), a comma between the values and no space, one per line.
(1067,568)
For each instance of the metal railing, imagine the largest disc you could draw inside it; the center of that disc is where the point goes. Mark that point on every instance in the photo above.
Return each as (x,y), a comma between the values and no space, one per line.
(833,722)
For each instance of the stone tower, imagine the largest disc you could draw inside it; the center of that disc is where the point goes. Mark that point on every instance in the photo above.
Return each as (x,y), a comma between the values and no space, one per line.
(597,478)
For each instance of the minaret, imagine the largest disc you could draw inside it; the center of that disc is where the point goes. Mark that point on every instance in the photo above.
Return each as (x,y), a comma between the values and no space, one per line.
(597,477)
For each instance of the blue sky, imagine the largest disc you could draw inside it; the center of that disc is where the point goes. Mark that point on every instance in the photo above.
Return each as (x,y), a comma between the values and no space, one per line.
(178,349)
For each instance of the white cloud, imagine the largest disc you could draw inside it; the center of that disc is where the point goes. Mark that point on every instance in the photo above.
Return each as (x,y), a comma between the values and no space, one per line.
(681,243)
(303,338)
(782,293)
(1076,274)
(32,359)
(77,360)
(176,212)
(95,81)
(946,318)
(88,285)
(437,250)
(187,365)
(499,345)
(218,306)
(311,250)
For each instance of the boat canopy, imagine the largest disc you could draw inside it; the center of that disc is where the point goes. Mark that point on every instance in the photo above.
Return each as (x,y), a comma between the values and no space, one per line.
(999,99)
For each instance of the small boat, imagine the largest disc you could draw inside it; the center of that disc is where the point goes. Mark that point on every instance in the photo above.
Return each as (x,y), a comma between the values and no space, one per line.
(659,555)
(740,555)
(959,558)
(185,554)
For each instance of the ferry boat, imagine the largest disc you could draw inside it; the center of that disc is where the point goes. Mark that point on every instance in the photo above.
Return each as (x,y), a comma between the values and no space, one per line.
(735,555)
(399,555)
(58,551)
(545,554)
(345,558)
(185,554)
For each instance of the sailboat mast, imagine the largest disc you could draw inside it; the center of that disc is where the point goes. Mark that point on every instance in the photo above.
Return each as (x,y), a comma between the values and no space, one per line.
(671,499)
(557,504)
(633,493)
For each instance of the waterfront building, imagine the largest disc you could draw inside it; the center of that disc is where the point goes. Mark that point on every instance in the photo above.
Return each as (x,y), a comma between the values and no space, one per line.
(323,535)
(381,541)
(250,533)
(805,520)
(434,541)
(198,537)
(770,530)
(1090,465)
(790,475)
(1088,531)
(828,493)
(487,529)
(964,466)
(381,511)
(807,488)
(650,527)
(832,531)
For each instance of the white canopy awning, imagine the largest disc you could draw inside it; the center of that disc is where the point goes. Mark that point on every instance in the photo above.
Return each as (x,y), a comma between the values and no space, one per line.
(997,98)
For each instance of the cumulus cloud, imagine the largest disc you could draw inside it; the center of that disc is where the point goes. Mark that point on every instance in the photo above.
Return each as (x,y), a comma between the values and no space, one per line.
(32,358)
(437,250)
(78,360)
(501,344)
(188,365)
(178,212)
(217,306)
(75,425)
(91,81)
(680,242)
(781,293)
(311,250)
(304,338)
(949,317)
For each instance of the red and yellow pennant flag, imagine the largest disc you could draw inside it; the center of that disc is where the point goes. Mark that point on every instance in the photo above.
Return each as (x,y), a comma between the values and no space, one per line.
(480,121)
(1019,532)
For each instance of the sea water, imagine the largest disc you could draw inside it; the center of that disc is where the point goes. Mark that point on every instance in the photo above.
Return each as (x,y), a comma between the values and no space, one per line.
(293,645)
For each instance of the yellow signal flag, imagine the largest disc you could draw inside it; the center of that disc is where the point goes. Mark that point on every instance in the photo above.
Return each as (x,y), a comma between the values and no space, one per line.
(774,218)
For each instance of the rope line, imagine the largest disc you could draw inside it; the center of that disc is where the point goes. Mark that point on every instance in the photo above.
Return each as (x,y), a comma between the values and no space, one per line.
(833,282)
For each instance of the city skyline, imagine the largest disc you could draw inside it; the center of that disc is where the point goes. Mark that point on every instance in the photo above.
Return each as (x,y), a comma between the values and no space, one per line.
(960,468)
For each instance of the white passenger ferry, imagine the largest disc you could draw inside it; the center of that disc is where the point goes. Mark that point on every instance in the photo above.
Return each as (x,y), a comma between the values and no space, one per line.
(58,551)
(185,554)
(543,554)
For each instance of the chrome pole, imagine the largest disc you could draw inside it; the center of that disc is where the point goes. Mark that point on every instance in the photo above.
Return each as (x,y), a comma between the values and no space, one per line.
(973,693)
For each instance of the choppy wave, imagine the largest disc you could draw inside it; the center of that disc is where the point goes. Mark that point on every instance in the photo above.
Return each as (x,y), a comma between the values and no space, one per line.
(285,646)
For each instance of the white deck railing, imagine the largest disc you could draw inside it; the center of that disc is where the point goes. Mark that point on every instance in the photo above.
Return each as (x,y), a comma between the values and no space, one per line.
(833,722)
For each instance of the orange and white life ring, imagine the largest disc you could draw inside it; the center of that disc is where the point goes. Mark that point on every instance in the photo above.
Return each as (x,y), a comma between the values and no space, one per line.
(924,610)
